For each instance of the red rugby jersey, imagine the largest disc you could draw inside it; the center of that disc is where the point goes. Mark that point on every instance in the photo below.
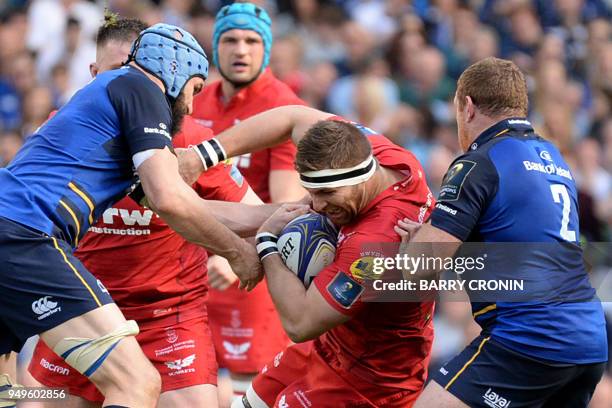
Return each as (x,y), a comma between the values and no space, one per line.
(265,93)
(383,344)
(152,273)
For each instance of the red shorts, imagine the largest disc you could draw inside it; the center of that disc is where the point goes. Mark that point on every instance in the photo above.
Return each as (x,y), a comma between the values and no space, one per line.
(299,377)
(182,353)
(246,329)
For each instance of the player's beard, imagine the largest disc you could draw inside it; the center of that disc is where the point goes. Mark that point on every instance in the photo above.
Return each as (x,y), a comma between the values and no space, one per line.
(179,110)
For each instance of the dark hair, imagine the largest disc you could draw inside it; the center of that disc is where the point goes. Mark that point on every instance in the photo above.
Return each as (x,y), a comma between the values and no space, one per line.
(118,29)
(497,88)
(331,144)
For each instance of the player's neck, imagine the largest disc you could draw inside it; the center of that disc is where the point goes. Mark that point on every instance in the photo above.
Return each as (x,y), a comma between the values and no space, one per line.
(480,123)
(382,179)
(153,78)
(228,91)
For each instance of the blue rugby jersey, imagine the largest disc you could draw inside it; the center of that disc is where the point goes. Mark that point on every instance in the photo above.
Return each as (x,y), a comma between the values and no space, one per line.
(80,161)
(513,186)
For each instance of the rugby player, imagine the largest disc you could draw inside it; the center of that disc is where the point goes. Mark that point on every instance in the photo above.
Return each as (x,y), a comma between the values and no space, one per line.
(246,330)
(164,293)
(363,353)
(511,185)
(71,170)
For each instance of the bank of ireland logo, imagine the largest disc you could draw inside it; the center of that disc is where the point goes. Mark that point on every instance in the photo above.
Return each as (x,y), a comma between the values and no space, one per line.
(45,307)
(544,155)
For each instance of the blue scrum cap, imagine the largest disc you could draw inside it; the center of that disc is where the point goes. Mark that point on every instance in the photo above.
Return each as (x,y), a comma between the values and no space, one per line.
(243,16)
(171,54)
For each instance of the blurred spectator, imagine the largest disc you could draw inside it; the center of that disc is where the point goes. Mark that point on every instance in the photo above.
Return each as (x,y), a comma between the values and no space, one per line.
(379,18)
(37,105)
(201,25)
(176,12)
(342,98)
(359,45)
(23,72)
(13,29)
(286,62)
(318,82)
(10,142)
(60,84)
(318,26)
(424,79)
(77,49)
(47,22)
(439,160)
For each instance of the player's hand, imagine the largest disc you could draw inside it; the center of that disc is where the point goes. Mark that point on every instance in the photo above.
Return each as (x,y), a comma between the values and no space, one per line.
(220,274)
(282,217)
(190,165)
(247,266)
(406,229)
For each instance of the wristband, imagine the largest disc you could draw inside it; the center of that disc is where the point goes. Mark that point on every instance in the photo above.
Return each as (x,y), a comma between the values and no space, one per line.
(266,244)
(210,152)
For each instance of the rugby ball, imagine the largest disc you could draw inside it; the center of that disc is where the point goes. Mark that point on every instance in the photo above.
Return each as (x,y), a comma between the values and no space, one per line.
(307,245)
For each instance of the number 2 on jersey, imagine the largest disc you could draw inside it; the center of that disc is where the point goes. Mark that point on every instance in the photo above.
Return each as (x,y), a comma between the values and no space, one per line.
(560,194)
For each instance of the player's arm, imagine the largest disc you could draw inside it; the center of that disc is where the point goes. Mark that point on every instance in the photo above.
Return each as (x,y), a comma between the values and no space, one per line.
(284,186)
(191,217)
(144,116)
(468,187)
(261,131)
(304,313)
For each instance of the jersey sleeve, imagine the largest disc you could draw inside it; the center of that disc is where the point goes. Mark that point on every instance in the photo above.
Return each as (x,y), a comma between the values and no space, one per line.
(468,186)
(341,282)
(224,181)
(282,157)
(144,114)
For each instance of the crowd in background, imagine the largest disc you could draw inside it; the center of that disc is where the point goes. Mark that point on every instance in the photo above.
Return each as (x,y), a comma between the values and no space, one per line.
(391,65)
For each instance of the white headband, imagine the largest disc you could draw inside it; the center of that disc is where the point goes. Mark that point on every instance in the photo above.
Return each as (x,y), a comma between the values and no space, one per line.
(331,178)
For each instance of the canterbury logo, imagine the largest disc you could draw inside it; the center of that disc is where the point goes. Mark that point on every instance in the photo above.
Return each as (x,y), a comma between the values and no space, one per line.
(44,307)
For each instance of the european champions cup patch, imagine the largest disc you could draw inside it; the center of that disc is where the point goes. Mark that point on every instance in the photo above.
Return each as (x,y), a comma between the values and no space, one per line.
(344,289)
(453,180)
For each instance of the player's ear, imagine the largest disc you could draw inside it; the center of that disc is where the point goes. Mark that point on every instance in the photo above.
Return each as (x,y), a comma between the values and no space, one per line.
(470,108)
(93,69)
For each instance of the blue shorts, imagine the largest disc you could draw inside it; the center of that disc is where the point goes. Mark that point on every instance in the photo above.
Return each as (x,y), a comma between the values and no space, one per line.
(42,285)
(489,375)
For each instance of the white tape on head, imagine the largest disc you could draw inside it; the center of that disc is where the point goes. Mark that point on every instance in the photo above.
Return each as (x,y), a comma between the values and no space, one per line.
(331,178)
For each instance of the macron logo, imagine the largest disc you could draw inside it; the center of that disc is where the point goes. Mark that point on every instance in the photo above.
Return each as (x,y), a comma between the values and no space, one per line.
(44,307)
(54,368)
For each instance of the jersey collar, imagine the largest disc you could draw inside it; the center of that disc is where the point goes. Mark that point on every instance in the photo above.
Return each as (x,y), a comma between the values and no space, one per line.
(517,124)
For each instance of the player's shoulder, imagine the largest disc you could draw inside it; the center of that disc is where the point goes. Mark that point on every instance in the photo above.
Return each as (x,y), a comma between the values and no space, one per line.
(276,92)
(375,225)
(130,81)
(191,133)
